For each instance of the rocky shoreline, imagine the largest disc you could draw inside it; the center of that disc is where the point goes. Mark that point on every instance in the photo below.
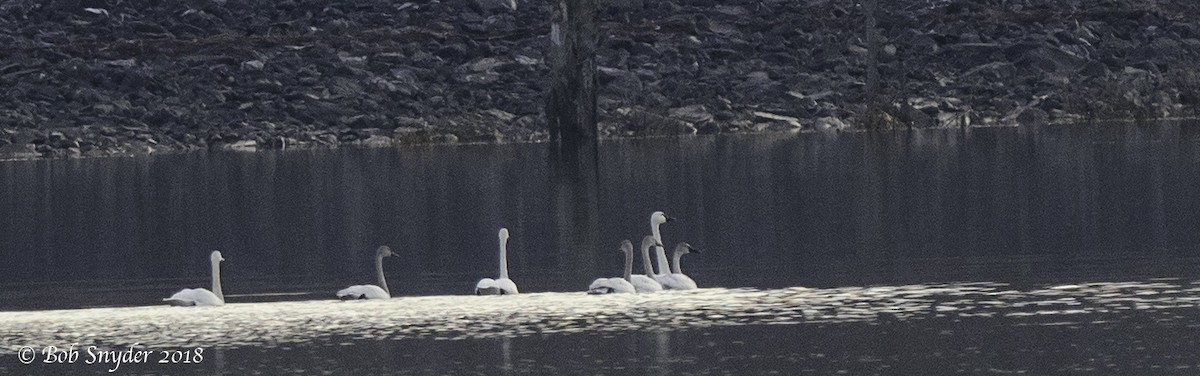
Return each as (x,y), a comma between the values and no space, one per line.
(96,77)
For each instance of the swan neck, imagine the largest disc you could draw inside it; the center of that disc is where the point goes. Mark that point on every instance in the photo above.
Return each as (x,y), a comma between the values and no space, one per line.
(646,261)
(379,274)
(675,266)
(216,280)
(659,252)
(503,258)
(628,265)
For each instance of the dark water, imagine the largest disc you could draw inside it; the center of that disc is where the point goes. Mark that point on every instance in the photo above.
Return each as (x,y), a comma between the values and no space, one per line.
(1020,212)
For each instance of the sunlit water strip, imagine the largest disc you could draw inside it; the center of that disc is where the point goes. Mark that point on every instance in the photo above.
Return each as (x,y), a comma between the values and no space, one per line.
(458,317)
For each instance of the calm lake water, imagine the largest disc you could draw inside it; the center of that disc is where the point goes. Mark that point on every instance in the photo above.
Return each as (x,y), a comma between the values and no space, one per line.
(1067,250)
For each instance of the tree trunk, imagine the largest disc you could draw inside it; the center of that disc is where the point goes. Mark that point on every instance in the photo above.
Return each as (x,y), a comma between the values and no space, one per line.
(571,105)
(571,116)
(872,38)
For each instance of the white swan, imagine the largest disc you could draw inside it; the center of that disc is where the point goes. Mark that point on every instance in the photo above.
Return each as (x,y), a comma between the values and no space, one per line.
(616,285)
(371,291)
(677,280)
(662,269)
(643,282)
(202,297)
(502,285)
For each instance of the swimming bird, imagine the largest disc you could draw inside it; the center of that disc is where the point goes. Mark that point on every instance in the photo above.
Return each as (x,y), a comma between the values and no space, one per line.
(371,291)
(677,280)
(662,269)
(643,282)
(616,285)
(202,297)
(502,285)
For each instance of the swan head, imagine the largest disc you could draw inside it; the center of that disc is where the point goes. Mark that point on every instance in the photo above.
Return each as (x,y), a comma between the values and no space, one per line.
(659,218)
(650,241)
(215,257)
(503,234)
(626,246)
(685,248)
(384,251)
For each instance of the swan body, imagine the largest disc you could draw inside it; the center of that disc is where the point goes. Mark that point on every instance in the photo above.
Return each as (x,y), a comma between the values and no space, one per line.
(643,282)
(616,285)
(502,285)
(371,291)
(363,292)
(194,297)
(682,282)
(677,280)
(611,286)
(199,296)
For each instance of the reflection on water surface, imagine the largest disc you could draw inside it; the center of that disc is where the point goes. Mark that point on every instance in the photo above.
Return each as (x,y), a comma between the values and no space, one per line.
(1038,213)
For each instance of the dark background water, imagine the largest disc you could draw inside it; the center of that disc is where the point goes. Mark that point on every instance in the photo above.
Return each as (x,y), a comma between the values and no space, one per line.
(1002,204)
(974,346)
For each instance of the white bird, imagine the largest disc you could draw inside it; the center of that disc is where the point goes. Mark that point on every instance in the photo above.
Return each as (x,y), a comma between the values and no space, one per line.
(643,282)
(202,297)
(371,291)
(662,269)
(677,280)
(502,285)
(616,285)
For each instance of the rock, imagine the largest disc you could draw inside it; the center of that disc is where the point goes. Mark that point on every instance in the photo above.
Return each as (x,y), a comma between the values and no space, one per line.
(492,6)
(695,114)
(1033,116)
(242,146)
(889,50)
(525,60)
(57,139)
(759,84)
(830,124)
(643,123)
(500,115)
(786,119)
(343,86)
(447,138)
(1045,58)
(479,63)
(253,65)
(19,151)
(953,120)
(327,139)
(621,83)
(708,128)
(377,141)
(625,5)
(731,10)
(926,105)
(347,58)
(481,78)
(483,65)
(1095,69)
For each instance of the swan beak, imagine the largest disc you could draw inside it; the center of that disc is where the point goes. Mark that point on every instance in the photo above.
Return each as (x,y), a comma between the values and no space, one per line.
(669,218)
(695,250)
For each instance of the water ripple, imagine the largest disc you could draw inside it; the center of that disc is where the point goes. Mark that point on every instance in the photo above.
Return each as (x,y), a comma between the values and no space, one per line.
(459,317)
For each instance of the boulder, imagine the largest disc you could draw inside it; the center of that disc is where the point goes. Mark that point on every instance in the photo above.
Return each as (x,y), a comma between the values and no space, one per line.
(694,114)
